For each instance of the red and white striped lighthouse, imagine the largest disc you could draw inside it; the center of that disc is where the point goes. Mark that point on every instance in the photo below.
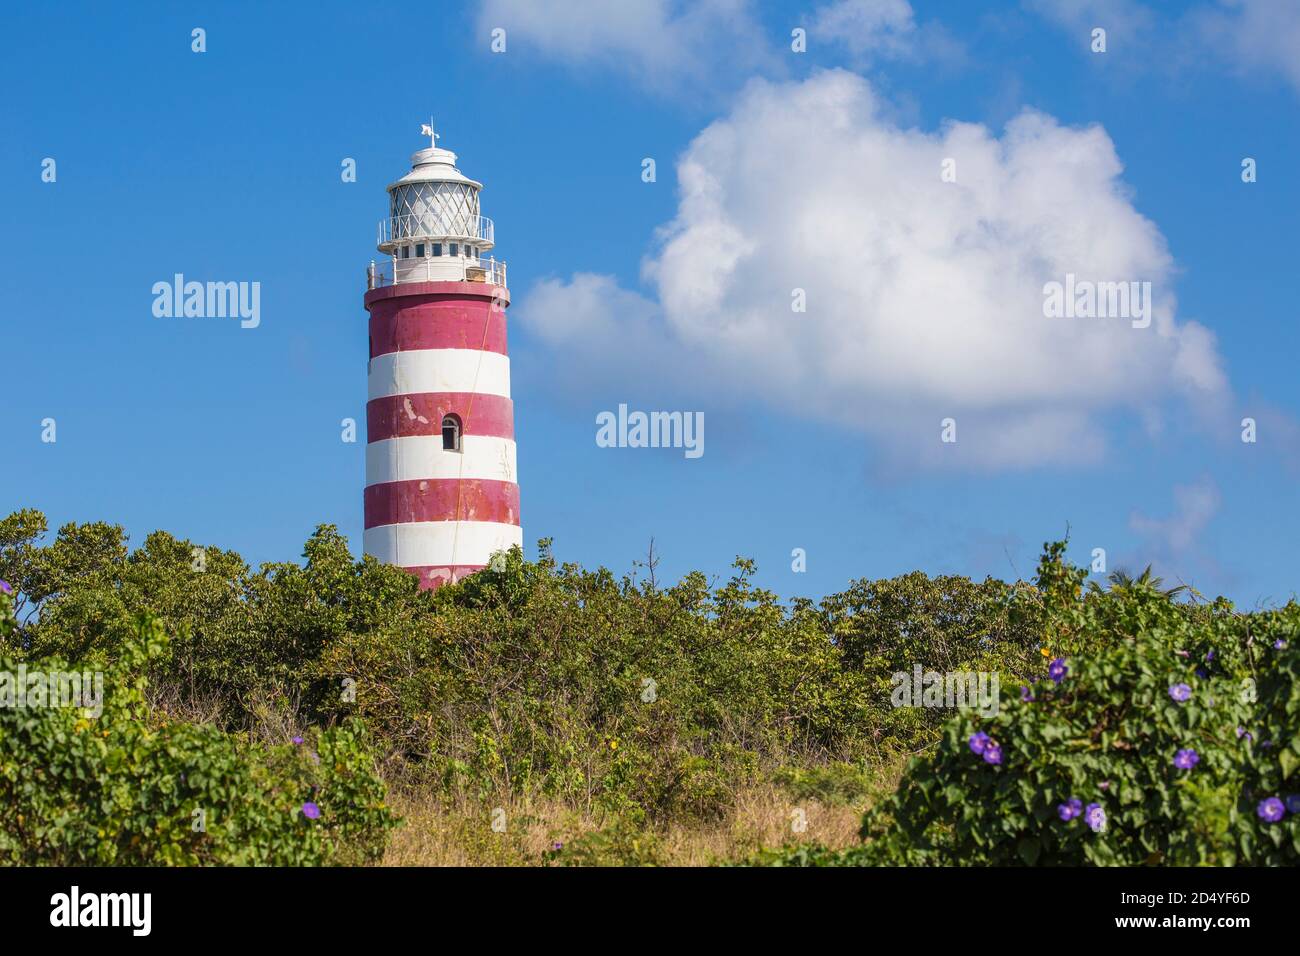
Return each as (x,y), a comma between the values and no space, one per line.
(442,495)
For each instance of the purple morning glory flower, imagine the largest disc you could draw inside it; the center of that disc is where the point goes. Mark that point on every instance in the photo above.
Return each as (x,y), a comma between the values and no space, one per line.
(557,846)
(1057,669)
(1293,803)
(1279,644)
(978,741)
(297,740)
(1243,732)
(1209,655)
(1025,695)
(1180,692)
(310,810)
(992,753)
(1070,809)
(1270,810)
(1095,817)
(1186,759)
(4,586)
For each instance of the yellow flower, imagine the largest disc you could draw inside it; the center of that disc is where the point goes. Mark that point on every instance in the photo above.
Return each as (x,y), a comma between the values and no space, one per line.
(613,744)
(1045,652)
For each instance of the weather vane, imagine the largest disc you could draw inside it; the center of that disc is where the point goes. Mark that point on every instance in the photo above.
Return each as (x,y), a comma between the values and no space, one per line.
(426,129)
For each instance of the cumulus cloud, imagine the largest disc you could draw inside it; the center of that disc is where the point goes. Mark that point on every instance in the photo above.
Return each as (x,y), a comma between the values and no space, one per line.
(685,47)
(924,298)
(676,46)
(663,44)
(881,30)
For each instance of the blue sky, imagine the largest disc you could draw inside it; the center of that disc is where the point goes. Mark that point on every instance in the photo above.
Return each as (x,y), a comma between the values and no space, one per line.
(225,165)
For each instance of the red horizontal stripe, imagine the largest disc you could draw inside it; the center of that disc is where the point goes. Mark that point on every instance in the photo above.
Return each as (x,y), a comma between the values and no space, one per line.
(421,413)
(464,290)
(436,322)
(442,499)
(434,576)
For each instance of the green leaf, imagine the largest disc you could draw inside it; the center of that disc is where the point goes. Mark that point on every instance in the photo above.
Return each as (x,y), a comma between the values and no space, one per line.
(1028,848)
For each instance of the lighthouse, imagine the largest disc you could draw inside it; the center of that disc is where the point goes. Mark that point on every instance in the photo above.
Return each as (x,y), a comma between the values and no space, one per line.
(442,493)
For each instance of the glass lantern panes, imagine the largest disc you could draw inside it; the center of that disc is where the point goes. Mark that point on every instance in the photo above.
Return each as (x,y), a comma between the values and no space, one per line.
(435,209)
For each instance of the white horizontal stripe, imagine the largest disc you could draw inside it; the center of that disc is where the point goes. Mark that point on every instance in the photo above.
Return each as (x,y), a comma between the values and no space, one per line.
(421,543)
(440,370)
(422,457)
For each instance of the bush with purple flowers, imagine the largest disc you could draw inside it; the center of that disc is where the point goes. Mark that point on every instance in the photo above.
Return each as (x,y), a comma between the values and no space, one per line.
(122,788)
(1267,825)
(1126,756)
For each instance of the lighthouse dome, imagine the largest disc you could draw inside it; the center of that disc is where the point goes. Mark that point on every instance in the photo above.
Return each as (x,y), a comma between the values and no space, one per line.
(435,165)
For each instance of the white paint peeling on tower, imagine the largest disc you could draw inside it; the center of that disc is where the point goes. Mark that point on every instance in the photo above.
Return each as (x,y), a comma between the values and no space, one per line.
(442,494)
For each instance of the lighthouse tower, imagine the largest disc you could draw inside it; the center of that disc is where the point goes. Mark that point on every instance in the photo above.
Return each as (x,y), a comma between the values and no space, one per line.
(442,495)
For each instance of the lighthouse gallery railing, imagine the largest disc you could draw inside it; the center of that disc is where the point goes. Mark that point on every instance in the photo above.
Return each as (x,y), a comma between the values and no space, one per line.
(436,224)
(436,269)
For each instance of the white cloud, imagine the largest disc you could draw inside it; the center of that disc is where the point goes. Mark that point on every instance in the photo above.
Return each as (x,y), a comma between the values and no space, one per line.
(681,47)
(664,44)
(924,298)
(1255,35)
(1249,36)
(882,27)
(1174,539)
(1128,20)
(881,30)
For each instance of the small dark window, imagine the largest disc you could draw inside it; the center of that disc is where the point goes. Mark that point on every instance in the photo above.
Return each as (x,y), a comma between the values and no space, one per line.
(453,249)
(437,248)
(406,252)
(450,433)
(419,250)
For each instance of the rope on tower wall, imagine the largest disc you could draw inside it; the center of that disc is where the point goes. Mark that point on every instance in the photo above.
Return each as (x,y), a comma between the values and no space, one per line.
(460,471)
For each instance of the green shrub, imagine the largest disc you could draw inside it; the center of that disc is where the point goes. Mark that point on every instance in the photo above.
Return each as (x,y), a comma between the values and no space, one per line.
(1273,758)
(1108,736)
(644,702)
(809,855)
(534,678)
(834,784)
(623,842)
(122,788)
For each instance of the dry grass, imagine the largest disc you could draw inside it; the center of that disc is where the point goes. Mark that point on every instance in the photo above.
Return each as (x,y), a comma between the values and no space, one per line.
(439,832)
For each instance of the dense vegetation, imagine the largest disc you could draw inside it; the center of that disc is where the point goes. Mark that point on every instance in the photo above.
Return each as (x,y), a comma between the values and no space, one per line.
(283,701)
